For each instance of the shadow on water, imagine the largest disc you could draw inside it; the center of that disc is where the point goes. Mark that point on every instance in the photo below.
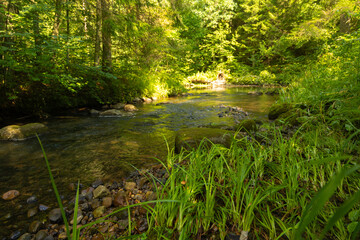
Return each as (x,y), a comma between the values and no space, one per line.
(90,148)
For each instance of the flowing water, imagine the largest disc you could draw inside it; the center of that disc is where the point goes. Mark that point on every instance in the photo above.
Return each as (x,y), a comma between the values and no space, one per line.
(90,148)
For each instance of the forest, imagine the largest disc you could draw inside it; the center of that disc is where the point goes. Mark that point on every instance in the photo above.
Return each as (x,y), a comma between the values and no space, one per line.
(294,175)
(69,53)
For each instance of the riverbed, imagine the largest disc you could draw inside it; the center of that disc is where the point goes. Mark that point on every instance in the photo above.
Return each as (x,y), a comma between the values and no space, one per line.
(87,148)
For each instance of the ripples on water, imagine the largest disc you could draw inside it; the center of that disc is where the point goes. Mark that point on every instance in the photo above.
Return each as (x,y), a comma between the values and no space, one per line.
(89,148)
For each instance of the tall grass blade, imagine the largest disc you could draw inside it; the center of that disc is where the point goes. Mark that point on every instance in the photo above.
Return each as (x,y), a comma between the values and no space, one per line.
(76,233)
(56,191)
(355,233)
(316,204)
(340,212)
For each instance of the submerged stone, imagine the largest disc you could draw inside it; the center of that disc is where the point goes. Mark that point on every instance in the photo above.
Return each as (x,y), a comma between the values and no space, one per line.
(191,138)
(9,195)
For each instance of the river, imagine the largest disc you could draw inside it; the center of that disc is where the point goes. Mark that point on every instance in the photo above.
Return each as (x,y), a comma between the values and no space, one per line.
(88,148)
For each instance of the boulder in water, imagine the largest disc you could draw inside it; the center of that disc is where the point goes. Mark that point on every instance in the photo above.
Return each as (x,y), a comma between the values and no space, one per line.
(130,108)
(17,133)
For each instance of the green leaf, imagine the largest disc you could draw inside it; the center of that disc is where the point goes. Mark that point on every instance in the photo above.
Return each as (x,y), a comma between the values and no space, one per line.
(354,215)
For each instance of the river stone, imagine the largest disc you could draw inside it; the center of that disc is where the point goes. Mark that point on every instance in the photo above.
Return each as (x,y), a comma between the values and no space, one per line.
(16,133)
(55,215)
(120,199)
(98,212)
(150,196)
(9,195)
(130,186)
(191,138)
(111,112)
(31,199)
(62,235)
(15,235)
(118,106)
(130,108)
(97,183)
(146,100)
(101,191)
(43,235)
(32,212)
(107,202)
(277,109)
(247,125)
(123,224)
(25,236)
(291,117)
(94,112)
(35,226)
(43,207)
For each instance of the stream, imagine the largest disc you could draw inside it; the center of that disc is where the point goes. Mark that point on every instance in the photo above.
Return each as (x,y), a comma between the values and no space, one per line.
(88,148)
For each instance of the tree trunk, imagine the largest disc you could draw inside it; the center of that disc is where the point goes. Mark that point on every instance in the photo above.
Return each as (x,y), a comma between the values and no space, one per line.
(67,31)
(97,33)
(106,35)
(57,20)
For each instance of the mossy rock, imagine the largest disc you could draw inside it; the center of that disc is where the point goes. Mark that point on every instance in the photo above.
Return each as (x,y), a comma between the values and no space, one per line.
(191,138)
(292,117)
(17,133)
(277,109)
(247,125)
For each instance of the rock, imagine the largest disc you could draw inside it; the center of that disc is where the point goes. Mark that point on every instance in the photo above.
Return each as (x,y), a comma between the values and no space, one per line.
(17,133)
(95,203)
(94,112)
(137,100)
(101,191)
(46,238)
(123,224)
(120,199)
(9,195)
(255,93)
(98,237)
(32,212)
(15,235)
(97,183)
(111,112)
(107,202)
(55,215)
(78,218)
(244,235)
(62,235)
(31,199)
(118,106)
(146,100)
(277,109)
(150,196)
(247,125)
(98,212)
(154,98)
(191,138)
(7,216)
(130,186)
(292,117)
(25,236)
(138,197)
(43,207)
(35,226)
(130,108)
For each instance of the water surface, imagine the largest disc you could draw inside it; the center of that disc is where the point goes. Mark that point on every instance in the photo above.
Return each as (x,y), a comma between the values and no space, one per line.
(90,148)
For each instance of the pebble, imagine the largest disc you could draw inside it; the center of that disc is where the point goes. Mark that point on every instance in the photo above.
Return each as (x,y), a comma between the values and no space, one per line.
(32,212)
(43,207)
(101,191)
(120,199)
(107,202)
(31,199)
(62,235)
(15,235)
(97,183)
(42,235)
(47,238)
(99,211)
(130,186)
(123,224)
(9,195)
(25,236)
(55,215)
(35,226)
